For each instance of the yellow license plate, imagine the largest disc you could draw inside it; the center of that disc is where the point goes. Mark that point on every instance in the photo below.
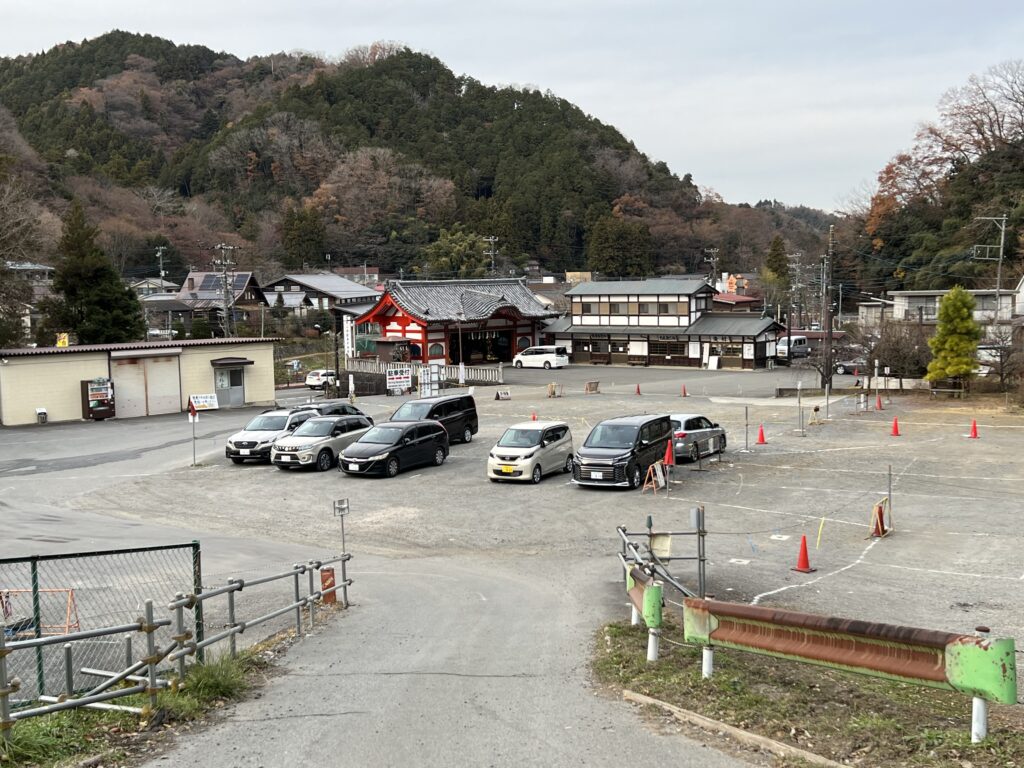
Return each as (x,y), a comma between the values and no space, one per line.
(508,470)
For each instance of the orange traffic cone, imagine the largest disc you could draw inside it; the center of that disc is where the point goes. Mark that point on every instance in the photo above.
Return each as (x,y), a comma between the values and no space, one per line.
(878,403)
(638,389)
(895,427)
(974,429)
(683,393)
(803,562)
(856,371)
(533,416)
(878,528)
(670,455)
(760,435)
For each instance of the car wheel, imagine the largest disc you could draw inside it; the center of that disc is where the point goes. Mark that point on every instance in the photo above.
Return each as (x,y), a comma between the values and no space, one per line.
(840,369)
(324,461)
(537,474)
(547,366)
(694,452)
(439,457)
(237,461)
(519,363)
(467,435)
(634,476)
(392,467)
(568,464)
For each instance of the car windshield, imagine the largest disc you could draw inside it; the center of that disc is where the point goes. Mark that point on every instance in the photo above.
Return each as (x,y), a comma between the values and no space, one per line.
(412,412)
(382,435)
(520,438)
(612,436)
(314,429)
(264,423)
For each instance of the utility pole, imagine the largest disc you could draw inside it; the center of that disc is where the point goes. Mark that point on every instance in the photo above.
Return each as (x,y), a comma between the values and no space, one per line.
(491,250)
(999,221)
(826,290)
(712,259)
(160,287)
(223,264)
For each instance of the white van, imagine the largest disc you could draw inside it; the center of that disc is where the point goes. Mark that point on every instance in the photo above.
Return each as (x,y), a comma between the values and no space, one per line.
(792,348)
(542,357)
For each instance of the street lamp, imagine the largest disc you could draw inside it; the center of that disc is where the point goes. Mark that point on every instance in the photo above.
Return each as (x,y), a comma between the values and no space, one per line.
(459,317)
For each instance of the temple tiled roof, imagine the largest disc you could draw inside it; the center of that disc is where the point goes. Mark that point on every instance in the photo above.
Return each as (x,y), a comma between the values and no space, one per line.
(465,300)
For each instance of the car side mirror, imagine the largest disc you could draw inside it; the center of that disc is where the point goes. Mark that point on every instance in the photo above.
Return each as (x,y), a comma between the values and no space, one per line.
(406,440)
(292,427)
(714,424)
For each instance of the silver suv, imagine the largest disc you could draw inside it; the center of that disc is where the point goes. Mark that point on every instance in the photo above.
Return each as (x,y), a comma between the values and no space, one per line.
(318,442)
(254,441)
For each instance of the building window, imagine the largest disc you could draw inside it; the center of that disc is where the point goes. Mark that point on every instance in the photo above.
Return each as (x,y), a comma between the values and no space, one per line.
(647,309)
(523,343)
(663,309)
(588,308)
(616,309)
(436,350)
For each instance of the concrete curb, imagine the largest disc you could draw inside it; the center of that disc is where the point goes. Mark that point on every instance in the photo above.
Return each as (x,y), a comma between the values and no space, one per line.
(744,737)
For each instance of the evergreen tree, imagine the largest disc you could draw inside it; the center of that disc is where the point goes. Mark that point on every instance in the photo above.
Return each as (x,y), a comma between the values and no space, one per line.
(619,248)
(201,328)
(955,343)
(302,235)
(777,263)
(457,254)
(15,293)
(90,300)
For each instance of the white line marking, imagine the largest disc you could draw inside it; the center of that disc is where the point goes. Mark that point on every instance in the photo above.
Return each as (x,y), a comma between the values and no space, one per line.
(21,469)
(482,596)
(738,561)
(858,561)
(779,537)
(945,573)
(769,511)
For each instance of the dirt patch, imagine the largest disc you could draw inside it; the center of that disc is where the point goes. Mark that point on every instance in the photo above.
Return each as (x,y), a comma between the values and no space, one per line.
(848,718)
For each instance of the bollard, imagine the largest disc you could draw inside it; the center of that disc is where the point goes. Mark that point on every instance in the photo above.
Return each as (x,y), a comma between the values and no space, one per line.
(707,662)
(69,672)
(979,707)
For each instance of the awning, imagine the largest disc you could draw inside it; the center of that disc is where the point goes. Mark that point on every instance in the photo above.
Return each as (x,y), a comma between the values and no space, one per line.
(230,362)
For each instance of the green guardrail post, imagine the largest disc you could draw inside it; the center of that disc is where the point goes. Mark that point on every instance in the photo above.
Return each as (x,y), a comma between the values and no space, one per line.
(197,588)
(985,668)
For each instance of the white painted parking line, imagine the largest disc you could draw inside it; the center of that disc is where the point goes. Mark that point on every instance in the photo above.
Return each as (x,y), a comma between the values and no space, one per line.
(858,561)
(779,537)
(738,561)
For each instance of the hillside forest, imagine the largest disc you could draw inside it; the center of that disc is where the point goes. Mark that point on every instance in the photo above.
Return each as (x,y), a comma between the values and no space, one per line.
(387,157)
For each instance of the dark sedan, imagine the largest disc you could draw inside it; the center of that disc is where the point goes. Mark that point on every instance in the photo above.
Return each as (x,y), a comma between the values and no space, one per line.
(393,446)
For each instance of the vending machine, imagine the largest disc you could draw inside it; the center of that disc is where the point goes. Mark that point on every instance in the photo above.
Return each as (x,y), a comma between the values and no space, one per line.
(98,399)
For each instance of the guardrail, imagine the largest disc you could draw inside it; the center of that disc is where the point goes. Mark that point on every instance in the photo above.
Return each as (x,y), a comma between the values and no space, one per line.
(976,665)
(183,643)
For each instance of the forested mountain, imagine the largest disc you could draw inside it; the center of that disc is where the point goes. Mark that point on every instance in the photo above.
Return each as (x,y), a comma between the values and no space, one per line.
(370,158)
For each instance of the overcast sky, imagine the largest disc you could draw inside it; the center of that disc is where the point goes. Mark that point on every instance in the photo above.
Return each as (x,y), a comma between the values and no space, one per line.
(802,101)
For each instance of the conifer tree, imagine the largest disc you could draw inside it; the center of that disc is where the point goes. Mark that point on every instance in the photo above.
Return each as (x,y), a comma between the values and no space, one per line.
(955,343)
(90,300)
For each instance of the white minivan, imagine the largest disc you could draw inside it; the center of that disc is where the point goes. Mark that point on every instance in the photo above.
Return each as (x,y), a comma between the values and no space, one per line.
(542,357)
(791,348)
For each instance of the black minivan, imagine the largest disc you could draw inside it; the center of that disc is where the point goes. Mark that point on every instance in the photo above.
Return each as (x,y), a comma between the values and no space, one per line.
(456,412)
(617,452)
(388,448)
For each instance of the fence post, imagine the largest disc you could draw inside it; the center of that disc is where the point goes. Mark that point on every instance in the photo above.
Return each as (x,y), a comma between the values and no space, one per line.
(701,553)
(69,671)
(707,664)
(180,636)
(298,598)
(232,644)
(197,588)
(151,659)
(128,660)
(5,690)
(312,602)
(344,582)
(979,707)
(37,619)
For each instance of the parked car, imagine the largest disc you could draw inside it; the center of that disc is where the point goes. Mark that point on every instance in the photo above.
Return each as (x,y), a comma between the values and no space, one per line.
(388,448)
(789,348)
(617,452)
(339,408)
(256,438)
(694,436)
(542,357)
(319,379)
(856,364)
(318,442)
(530,450)
(456,412)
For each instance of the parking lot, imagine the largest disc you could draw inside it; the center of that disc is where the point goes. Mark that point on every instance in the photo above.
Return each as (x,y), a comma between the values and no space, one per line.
(457,576)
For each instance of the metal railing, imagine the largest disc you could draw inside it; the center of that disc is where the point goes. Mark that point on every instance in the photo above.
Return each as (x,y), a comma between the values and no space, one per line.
(183,643)
(474,374)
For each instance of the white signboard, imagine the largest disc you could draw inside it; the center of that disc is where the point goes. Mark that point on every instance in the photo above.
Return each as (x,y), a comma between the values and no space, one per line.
(748,351)
(694,349)
(204,402)
(399,376)
(349,336)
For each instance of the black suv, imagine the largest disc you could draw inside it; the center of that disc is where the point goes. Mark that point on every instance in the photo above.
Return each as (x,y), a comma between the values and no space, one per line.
(456,412)
(617,452)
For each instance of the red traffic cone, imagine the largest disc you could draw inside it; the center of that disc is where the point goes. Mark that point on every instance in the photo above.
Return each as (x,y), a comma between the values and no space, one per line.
(670,455)
(683,393)
(878,403)
(974,429)
(856,371)
(533,416)
(803,562)
(878,528)
(638,389)
(895,427)
(760,435)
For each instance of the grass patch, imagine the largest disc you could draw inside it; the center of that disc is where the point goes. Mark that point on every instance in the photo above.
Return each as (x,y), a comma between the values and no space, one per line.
(843,716)
(50,740)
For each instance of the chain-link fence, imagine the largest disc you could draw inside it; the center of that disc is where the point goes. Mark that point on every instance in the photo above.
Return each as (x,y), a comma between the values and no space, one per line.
(52,595)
